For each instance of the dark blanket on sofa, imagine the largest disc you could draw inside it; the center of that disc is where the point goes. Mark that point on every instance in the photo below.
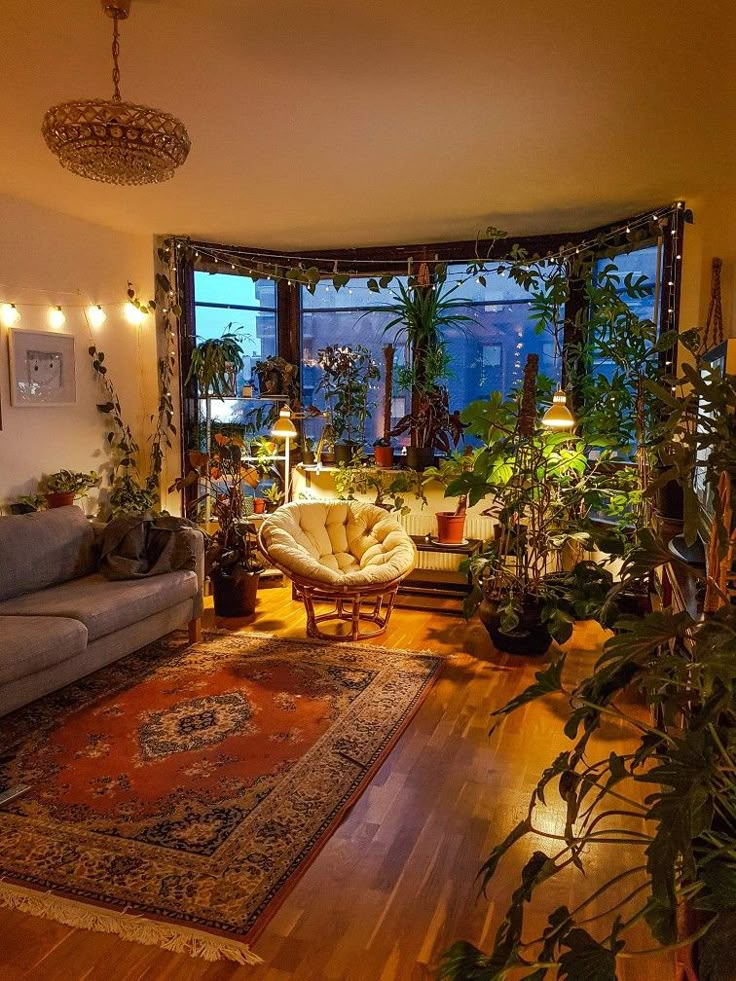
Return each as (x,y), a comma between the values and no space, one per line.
(136,546)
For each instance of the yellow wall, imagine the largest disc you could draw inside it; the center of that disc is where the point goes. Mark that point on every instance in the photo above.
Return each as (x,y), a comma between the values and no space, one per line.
(45,258)
(712,234)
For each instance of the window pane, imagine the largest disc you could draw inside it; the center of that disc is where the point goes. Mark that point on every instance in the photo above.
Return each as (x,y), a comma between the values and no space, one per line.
(640,262)
(220,299)
(354,328)
(498,285)
(488,353)
(235,289)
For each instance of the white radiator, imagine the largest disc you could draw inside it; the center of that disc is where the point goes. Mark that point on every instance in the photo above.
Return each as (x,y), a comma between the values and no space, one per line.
(424,523)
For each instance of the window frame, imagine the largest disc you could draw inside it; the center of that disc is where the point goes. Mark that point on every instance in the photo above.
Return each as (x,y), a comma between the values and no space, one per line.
(398,259)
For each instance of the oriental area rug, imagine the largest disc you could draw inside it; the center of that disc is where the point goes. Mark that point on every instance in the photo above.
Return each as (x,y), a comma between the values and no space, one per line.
(176,795)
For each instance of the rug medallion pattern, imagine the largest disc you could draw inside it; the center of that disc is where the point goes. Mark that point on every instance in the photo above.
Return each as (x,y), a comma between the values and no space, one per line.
(190,783)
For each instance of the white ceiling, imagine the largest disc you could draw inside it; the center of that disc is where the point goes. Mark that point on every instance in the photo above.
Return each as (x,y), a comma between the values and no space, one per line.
(346,122)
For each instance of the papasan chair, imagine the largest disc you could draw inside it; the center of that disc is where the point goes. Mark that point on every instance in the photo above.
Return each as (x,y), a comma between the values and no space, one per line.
(346,553)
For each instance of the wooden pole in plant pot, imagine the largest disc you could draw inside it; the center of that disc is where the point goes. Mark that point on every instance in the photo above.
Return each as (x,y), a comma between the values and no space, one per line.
(388,388)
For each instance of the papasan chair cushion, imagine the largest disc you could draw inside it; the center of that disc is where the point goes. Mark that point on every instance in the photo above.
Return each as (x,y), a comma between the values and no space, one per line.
(338,545)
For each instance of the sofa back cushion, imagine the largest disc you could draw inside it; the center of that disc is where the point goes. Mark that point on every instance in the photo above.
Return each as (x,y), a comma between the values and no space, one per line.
(43,549)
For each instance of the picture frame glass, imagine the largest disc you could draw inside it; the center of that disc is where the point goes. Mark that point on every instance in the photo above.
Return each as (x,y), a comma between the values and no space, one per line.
(42,368)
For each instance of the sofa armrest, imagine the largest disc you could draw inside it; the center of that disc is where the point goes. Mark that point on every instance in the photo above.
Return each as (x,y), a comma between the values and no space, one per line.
(197,540)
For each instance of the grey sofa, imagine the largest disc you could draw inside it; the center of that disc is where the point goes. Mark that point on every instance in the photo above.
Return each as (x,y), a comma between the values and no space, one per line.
(60,619)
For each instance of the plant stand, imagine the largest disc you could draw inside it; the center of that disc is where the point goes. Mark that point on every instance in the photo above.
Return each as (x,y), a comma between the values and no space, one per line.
(434,584)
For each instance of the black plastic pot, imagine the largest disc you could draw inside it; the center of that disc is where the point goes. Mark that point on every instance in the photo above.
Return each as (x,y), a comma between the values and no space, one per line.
(344,453)
(530,638)
(21,508)
(235,595)
(670,506)
(419,457)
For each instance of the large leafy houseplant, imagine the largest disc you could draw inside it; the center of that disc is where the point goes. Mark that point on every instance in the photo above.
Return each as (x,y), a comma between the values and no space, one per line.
(232,556)
(539,486)
(214,364)
(672,794)
(347,374)
(420,315)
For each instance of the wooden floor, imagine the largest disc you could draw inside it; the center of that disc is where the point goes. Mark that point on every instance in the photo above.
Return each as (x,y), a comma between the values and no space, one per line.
(394,886)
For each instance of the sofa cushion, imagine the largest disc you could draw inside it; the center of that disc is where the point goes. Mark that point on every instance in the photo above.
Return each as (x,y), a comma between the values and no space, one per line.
(44,548)
(104,606)
(32,644)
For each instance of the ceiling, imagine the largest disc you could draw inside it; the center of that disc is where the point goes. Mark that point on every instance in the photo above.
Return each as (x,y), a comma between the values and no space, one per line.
(323,123)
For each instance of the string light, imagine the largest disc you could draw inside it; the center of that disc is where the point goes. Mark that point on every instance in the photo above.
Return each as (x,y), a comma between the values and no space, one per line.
(133,314)
(9,314)
(56,317)
(96,316)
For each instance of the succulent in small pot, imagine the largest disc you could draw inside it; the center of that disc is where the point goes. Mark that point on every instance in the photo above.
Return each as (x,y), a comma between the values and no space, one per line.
(62,488)
(273,497)
(383,453)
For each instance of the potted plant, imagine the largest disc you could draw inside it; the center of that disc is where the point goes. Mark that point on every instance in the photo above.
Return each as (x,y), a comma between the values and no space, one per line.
(273,497)
(215,363)
(345,382)
(423,311)
(62,488)
(232,554)
(431,425)
(451,524)
(325,452)
(307,448)
(541,486)
(388,490)
(27,504)
(383,452)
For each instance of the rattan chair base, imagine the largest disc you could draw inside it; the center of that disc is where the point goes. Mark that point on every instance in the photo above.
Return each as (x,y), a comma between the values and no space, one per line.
(348,609)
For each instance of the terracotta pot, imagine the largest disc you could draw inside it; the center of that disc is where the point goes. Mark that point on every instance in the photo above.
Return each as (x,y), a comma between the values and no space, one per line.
(450,527)
(235,596)
(259,505)
(60,500)
(530,638)
(384,456)
(327,458)
(419,457)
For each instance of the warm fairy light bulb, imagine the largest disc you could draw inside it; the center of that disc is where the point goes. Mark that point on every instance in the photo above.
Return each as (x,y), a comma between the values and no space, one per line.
(558,416)
(97,316)
(56,317)
(133,314)
(9,314)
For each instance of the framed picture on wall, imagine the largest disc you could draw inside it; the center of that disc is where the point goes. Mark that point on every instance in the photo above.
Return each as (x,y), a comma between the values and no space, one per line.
(42,368)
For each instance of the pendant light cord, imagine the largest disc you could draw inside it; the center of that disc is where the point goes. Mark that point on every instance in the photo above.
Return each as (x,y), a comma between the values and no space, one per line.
(115,55)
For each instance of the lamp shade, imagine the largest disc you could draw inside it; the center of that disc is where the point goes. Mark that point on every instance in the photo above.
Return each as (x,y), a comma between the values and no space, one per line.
(558,416)
(284,428)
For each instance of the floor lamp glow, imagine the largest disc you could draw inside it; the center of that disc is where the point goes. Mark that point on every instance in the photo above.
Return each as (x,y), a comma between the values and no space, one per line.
(285,429)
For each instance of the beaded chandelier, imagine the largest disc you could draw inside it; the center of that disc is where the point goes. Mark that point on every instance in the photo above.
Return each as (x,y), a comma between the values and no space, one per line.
(114,141)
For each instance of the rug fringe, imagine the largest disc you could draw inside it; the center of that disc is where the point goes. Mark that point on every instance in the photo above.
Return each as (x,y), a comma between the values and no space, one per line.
(127,926)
